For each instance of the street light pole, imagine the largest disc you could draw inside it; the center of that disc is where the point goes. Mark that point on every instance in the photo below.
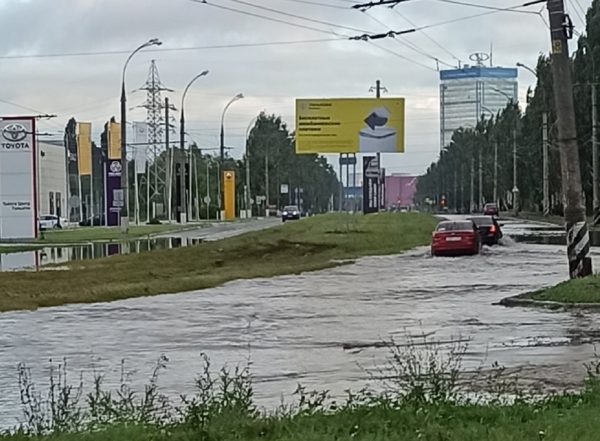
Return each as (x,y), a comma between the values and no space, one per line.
(182,162)
(248,195)
(124,165)
(239,96)
(545,156)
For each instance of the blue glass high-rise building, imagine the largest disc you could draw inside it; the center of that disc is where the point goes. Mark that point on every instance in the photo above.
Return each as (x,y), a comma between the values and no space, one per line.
(473,92)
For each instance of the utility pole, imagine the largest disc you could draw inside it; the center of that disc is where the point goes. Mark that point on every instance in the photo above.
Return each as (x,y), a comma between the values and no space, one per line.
(472,194)
(495,171)
(480,199)
(515,190)
(378,89)
(169,159)
(595,154)
(545,168)
(578,240)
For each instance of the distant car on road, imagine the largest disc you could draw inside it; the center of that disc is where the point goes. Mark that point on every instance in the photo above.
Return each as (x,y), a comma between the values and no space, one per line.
(50,222)
(490,209)
(290,212)
(455,238)
(489,229)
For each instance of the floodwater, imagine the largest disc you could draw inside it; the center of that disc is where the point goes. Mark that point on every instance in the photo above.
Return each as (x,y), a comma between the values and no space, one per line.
(38,259)
(319,329)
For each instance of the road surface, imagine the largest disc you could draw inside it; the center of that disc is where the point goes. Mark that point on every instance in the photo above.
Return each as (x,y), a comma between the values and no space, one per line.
(320,329)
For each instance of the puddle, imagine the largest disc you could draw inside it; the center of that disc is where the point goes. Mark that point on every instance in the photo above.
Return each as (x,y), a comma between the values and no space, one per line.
(39,259)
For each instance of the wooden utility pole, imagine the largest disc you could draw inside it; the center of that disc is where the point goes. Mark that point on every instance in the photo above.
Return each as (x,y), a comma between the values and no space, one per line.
(578,240)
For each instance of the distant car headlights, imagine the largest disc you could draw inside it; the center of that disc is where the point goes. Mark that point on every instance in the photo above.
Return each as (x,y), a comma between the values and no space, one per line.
(285,213)
(295,213)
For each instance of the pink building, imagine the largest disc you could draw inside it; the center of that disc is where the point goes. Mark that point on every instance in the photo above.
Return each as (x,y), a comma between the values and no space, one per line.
(400,190)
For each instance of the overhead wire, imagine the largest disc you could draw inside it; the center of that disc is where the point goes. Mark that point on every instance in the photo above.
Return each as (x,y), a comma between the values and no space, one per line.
(480,6)
(410,22)
(309,2)
(409,44)
(390,51)
(272,19)
(175,49)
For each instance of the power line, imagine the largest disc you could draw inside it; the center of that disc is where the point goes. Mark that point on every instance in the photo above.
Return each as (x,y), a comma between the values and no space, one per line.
(264,17)
(404,17)
(390,51)
(491,8)
(409,44)
(308,2)
(287,14)
(189,48)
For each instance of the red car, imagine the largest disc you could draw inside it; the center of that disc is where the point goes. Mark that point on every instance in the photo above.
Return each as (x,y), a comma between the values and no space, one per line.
(490,209)
(455,238)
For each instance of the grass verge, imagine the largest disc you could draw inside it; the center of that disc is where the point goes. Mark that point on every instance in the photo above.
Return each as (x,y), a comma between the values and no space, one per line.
(18,248)
(585,290)
(114,234)
(311,244)
(427,406)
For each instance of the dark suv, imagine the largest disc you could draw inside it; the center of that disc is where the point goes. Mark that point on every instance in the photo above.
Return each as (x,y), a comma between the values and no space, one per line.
(489,229)
(290,212)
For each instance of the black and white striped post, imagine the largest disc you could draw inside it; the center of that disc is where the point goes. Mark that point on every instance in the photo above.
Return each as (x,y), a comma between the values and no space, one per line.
(578,250)
(578,239)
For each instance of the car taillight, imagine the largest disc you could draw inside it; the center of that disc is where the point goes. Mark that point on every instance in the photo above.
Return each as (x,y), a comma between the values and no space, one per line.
(493,228)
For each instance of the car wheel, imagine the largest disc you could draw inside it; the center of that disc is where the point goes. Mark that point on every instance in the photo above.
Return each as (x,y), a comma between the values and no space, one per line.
(56,227)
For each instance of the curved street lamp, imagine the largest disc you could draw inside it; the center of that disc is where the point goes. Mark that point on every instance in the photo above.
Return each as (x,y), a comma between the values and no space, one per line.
(239,96)
(183,203)
(124,174)
(248,195)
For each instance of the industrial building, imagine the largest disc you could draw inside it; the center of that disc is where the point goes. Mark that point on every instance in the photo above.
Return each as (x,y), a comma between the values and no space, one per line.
(472,92)
(52,178)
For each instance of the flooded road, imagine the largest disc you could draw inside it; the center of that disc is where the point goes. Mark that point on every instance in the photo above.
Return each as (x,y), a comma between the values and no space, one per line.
(318,329)
(38,259)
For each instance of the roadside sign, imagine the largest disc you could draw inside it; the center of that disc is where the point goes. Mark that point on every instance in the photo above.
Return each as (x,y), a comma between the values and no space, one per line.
(350,160)
(206,200)
(365,125)
(284,189)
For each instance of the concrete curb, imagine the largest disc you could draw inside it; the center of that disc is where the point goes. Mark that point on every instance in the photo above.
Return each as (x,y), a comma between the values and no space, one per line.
(546,304)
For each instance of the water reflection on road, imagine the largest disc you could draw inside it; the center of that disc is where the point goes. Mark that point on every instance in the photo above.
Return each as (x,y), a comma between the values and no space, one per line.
(317,329)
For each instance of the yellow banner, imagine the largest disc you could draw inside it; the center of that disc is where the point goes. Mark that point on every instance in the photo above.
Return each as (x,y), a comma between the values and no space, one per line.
(114,140)
(84,148)
(229,194)
(362,125)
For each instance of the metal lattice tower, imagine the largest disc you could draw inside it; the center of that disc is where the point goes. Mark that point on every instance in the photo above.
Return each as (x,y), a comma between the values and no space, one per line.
(156,177)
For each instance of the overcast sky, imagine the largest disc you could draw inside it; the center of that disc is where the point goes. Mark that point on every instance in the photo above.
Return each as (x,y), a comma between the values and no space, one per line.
(37,75)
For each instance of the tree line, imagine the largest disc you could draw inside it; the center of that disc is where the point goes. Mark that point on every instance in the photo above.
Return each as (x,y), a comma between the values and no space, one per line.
(478,164)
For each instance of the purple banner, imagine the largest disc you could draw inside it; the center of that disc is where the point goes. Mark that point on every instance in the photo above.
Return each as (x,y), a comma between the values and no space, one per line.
(114,194)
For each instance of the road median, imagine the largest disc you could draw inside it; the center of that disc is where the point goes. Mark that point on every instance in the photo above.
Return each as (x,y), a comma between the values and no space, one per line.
(311,244)
(581,293)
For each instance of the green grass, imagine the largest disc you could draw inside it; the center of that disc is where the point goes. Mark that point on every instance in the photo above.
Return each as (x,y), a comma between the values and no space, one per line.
(114,234)
(18,248)
(311,244)
(585,290)
(566,418)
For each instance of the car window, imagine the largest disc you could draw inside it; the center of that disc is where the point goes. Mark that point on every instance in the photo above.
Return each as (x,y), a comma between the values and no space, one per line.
(484,220)
(455,226)
(290,208)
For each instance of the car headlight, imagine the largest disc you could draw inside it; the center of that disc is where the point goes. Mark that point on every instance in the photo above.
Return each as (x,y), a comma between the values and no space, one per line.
(285,213)
(295,213)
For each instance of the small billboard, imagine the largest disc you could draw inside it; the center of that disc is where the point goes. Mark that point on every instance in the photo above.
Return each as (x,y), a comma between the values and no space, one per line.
(18,201)
(361,125)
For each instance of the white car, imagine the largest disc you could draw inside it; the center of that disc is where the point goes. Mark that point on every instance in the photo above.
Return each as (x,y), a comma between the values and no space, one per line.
(51,222)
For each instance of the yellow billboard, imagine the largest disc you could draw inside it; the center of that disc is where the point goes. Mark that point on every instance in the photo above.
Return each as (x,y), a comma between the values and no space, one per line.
(229,194)
(350,125)
(114,141)
(84,148)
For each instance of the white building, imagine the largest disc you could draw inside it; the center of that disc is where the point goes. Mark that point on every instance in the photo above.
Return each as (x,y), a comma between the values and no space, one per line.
(473,92)
(52,178)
